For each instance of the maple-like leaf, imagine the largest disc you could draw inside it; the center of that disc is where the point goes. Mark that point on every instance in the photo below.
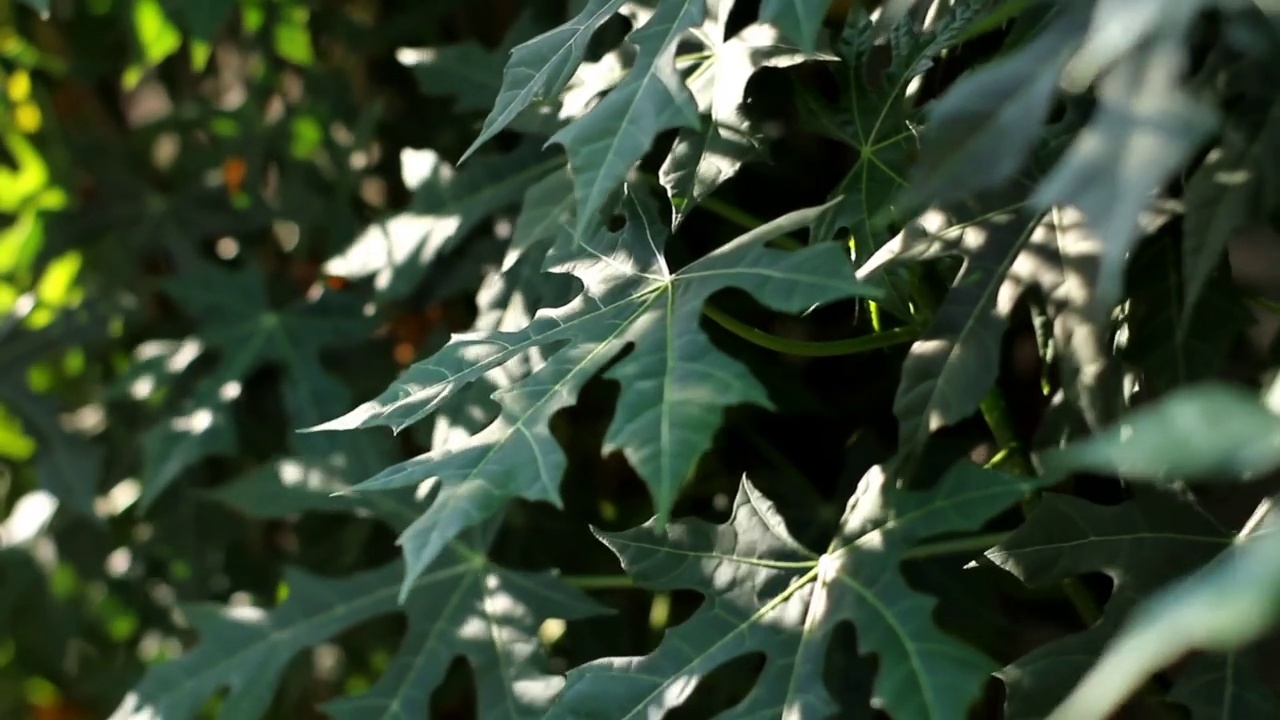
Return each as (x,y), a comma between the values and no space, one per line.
(540,68)
(704,158)
(766,593)
(1141,544)
(236,320)
(464,605)
(877,119)
(675,382)
(604,144)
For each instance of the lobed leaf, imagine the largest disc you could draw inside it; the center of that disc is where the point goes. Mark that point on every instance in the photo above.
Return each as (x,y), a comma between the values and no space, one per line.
(463,606)
(766,593)
(675,383)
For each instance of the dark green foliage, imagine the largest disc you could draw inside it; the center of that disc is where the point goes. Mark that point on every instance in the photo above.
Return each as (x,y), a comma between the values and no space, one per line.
(639,359)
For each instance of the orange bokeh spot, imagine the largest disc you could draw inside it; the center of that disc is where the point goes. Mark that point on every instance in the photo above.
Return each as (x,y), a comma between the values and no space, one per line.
(234,170)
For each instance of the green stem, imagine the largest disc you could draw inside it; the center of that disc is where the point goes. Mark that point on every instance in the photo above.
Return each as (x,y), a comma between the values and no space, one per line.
(810,348)
(1270,306)
(996,413)
(956,545)
(599,582)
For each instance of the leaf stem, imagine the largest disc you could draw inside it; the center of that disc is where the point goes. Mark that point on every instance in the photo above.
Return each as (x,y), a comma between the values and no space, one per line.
(956,545)
(599,582)
(810,348)
(996,414)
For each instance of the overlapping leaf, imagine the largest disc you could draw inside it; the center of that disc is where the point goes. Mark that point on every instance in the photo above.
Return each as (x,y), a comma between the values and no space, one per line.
(675,382)
(1140,544)
(446,205)
(766,593)
(1157,311)
(1226,194)
(235,319)
(540,68)
(1146,127)
(1007,249)
(462,606)
(703,158)
(67,465)
(604,144)
(879,117)
(989,122)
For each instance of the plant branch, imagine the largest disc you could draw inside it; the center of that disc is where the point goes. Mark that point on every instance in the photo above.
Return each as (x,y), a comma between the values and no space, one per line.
(810,348)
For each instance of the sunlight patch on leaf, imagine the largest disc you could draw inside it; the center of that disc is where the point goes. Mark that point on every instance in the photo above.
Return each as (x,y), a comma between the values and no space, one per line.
(675,383)
(766,593)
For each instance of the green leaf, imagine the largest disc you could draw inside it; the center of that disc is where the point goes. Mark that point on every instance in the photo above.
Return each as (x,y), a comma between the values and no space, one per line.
(1162,357)
(983,129)
(235,319)
(951,367)
(1225,605)
(877,120)
(203,20)
(604,144)
(547,206)
(703,158)
(797,20)
(1226,194)
(1214,687)
(469,71)
(1141,544)
(157,36)
(1146,127)
(675,383)
(1201,432)
(540,68)
(453,611)
(446,205)
(68,465)
(766,593)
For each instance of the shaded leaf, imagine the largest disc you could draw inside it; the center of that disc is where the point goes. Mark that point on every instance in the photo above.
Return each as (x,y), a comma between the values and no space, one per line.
(68,465)
(1201,432)
(1220,608)
(463,606)
(1146,126)
(235,318)
(1156,309)
(987,124)
(1140,544)
(878,120)
(1224,195)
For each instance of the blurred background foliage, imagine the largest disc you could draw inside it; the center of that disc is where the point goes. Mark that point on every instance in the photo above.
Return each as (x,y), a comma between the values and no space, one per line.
(141,137)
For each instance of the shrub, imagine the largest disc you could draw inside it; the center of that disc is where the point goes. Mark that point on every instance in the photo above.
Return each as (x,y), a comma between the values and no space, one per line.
(639,358)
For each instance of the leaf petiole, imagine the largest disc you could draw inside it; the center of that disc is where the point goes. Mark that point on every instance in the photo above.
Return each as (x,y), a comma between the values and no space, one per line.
(810,348)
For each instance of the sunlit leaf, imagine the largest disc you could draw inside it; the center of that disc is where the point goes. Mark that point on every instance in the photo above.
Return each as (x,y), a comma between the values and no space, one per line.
(766,593)
(675,383)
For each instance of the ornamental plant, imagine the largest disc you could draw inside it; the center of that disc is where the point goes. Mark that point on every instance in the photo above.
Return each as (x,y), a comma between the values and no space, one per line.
(610,359)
